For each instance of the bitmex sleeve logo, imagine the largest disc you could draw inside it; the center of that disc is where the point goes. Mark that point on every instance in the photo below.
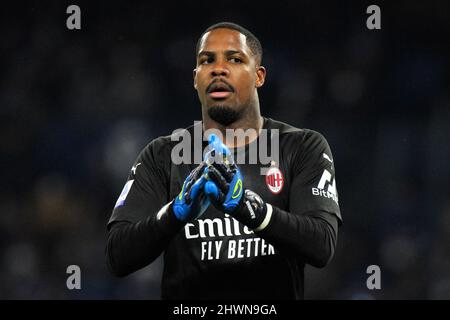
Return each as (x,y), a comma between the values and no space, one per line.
(327,179)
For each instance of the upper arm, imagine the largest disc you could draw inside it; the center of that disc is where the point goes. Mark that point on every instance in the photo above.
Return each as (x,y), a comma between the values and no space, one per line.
(146,188)
(313,186)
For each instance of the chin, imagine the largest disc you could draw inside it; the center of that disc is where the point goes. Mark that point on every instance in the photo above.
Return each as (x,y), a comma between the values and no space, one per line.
(223,114)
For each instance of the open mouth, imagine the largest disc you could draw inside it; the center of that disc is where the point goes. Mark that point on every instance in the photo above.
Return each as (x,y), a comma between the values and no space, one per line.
(220,90)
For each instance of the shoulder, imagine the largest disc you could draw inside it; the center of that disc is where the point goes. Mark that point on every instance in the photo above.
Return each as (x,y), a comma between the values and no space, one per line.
(157,148)
(300,137)
(161,147)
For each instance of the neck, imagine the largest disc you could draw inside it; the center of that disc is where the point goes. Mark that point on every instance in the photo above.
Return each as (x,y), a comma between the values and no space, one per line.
(250,120)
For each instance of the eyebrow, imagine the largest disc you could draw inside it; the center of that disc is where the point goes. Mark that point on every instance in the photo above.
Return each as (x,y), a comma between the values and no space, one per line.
(211,53)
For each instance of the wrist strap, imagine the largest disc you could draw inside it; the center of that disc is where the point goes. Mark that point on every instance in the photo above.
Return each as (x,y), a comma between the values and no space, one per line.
(252,210)
(266,219)
(162,211)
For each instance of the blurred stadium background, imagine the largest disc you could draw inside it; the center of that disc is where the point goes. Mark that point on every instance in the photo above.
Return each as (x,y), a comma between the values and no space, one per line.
(76,107)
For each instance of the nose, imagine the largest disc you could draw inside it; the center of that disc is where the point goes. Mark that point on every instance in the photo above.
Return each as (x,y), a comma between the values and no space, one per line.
(219,70)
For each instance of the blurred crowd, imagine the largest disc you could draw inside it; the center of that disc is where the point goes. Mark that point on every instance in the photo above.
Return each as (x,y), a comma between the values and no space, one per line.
(76,107)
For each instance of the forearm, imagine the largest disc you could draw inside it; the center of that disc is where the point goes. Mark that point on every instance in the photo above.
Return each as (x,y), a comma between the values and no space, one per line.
(132,246)
(311,237)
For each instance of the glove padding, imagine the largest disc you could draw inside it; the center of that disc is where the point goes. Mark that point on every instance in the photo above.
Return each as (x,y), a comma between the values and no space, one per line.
(192,202)
(225,182)
(226,190)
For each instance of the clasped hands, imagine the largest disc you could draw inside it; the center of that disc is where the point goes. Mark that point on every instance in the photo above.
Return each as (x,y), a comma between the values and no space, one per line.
(219,181)
(216,180)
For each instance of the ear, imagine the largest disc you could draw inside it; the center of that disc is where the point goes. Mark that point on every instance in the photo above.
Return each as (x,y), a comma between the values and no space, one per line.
(260,76)
(194,74)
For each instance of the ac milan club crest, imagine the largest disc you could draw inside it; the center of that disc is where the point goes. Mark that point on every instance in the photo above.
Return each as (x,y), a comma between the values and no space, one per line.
(274,180)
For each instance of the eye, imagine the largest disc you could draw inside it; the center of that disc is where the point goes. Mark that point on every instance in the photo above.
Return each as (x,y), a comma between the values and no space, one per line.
(207,60)
(236,60)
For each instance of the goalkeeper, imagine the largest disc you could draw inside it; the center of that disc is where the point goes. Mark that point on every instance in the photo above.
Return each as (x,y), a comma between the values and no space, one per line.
(226,231)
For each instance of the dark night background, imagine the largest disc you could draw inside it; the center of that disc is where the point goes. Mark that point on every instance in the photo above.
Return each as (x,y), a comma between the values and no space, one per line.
(76,107)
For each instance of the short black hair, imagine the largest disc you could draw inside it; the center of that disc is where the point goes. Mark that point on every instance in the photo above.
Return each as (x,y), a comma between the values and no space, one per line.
(252,41)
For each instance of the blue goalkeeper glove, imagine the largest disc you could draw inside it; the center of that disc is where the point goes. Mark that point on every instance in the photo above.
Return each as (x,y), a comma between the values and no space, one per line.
(225,185)
(192,202)
(225,188)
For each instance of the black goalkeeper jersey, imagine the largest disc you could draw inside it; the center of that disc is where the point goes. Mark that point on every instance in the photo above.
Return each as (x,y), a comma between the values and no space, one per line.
(215,256)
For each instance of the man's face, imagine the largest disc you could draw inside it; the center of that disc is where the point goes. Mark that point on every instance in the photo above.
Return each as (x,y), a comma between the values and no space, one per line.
(227,74)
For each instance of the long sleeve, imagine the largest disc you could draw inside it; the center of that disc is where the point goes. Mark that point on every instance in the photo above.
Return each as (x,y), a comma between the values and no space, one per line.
(312,237)
(132,246)
(138,234)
